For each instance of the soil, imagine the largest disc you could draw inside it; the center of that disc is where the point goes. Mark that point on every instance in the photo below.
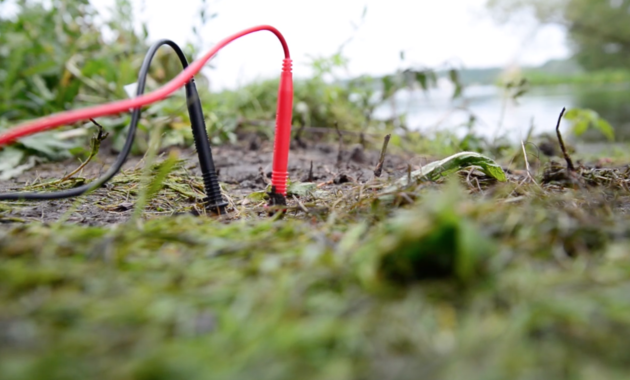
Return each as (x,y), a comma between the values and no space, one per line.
(239,165)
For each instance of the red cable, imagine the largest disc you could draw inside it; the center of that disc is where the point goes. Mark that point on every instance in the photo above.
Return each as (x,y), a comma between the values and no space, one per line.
(285,101)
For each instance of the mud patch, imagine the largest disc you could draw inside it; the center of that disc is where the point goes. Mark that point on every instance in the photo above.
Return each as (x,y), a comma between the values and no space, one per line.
(242,168)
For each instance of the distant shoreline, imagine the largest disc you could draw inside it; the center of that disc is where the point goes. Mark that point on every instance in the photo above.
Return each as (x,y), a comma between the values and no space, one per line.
(556,72)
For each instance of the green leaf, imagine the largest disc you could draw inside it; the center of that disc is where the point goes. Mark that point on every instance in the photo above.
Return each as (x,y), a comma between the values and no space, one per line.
(606,129)
(47,144)
(580,127)
(572,114)
(10,157)
(162,171)
(43,90)
(454,163)
(42,68)
(584,118)
(388,86)
(454,77)
(519,93)
(11,162)
(258,196)
(421,79)
(301,189)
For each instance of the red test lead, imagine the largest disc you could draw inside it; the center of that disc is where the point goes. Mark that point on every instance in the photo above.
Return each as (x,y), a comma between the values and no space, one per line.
(279,173)
(283,117)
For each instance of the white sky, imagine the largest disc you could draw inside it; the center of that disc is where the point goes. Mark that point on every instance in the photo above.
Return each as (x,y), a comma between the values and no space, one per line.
(430,32)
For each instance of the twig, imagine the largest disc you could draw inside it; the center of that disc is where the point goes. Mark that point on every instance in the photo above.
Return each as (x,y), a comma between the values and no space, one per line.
(525,156)
(301,205)
(381,160)
(570,166)
(527,168)
(530,131)
(322,184)
(340,153)
(478,185)
(406,197)
(298,135)
(96,144)
(264,178)
(310,174)
(183,192)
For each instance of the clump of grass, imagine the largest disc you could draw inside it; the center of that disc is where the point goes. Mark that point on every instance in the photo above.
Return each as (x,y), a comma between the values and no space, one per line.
(435,242)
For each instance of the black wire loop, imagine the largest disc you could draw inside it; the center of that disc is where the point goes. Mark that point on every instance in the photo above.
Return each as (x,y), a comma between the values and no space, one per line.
(214,201)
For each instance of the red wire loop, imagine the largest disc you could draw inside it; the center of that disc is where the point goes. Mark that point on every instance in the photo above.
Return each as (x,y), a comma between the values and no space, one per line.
(283,129)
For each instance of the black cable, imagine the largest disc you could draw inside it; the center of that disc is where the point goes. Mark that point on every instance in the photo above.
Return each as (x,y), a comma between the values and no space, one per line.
(214,200)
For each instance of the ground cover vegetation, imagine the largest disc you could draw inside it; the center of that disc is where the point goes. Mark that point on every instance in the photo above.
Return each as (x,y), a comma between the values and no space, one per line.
(399,255)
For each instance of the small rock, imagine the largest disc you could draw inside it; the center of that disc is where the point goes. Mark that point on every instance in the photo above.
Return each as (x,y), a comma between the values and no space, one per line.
(342,178)
(358,155)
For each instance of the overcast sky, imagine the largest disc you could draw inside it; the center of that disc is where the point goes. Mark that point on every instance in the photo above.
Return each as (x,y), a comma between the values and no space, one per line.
(429,32)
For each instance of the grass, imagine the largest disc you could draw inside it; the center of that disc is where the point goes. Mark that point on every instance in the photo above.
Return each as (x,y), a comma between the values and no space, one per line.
(465,278)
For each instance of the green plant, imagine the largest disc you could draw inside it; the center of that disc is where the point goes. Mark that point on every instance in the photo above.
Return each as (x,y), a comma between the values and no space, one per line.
(65,55)
(583,119)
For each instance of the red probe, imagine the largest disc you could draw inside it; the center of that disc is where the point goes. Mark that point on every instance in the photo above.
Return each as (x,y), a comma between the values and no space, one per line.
(283,116)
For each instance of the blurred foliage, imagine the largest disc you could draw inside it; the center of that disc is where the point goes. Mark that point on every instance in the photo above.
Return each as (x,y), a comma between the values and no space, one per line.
(610,102)
(62,54)
(326,100)
(584,119)
(55,57)
(442,244)
(598,30)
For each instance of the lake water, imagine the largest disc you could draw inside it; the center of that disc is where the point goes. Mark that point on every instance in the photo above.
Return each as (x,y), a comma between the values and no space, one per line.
(541,106)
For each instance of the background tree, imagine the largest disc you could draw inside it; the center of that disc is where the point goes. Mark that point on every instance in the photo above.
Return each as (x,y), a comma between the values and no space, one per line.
(599,31)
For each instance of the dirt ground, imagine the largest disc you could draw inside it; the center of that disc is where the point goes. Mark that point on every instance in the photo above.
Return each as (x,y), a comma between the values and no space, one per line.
(239,166)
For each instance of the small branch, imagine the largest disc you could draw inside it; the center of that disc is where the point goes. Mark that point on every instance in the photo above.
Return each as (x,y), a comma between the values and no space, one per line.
(340,153)
(527,168)
(570,166)
(529,173)
(302,207)
(102,135)
(379,167)
(310,174)
(322,184)
(298,135)
(264,178)
(96,144)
